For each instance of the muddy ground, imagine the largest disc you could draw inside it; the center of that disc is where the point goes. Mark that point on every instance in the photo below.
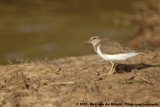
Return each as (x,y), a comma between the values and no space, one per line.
(75,81)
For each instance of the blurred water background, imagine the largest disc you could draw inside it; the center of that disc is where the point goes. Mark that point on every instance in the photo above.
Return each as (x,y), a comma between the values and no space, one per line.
(36,29)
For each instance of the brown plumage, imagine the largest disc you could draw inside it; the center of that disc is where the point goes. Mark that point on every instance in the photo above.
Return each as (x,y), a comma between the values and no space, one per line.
(109,46)
(108,50)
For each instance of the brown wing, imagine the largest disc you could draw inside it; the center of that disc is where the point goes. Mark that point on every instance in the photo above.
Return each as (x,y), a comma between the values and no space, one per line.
(112,47)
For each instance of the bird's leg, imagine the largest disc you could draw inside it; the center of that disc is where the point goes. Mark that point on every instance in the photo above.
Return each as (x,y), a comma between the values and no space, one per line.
(111,70)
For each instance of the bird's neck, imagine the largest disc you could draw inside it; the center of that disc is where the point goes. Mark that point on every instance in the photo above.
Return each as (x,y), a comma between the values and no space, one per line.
(95,44)
(95,47)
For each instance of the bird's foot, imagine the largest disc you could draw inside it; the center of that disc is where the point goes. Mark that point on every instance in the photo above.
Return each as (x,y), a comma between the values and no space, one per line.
(109,73)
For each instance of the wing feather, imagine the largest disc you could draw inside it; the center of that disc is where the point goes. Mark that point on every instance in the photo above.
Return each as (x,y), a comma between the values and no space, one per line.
(113,47)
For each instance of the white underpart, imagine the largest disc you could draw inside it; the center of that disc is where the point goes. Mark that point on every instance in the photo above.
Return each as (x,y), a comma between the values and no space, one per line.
(115,57)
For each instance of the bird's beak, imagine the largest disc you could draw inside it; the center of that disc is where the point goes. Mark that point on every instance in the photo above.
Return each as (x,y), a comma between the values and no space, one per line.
(84,42)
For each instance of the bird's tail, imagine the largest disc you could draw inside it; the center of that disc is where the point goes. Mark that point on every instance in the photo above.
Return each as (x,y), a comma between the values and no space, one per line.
(141,52)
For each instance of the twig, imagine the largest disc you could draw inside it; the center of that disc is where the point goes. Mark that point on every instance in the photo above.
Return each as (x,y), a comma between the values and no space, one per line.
(144,79)
(61,83)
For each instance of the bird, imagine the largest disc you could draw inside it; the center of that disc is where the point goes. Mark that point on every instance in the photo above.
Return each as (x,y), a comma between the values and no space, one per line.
(111,50)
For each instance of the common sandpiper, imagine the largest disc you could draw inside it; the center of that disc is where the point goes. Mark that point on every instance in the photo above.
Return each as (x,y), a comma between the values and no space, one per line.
(111,50)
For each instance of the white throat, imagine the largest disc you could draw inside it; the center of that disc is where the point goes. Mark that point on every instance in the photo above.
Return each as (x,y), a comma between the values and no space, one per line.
(115,57)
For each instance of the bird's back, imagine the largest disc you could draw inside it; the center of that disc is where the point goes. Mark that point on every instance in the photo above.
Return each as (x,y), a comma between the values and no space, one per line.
(109,46)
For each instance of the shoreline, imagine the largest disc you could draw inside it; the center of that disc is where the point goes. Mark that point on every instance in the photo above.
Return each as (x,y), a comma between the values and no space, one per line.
(74,80)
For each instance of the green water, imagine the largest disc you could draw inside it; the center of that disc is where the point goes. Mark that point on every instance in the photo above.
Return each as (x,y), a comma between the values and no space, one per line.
(55,28)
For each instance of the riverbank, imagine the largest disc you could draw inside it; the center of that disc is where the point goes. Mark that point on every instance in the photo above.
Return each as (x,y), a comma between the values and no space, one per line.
(79,80)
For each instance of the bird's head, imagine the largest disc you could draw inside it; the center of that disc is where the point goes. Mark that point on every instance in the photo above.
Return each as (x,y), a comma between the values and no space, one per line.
(93,40)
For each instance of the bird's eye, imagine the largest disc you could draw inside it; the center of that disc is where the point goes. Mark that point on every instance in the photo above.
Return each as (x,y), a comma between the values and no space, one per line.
(94,37)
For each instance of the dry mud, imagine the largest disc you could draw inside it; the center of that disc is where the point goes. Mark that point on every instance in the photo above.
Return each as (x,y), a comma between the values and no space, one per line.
(75,81)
